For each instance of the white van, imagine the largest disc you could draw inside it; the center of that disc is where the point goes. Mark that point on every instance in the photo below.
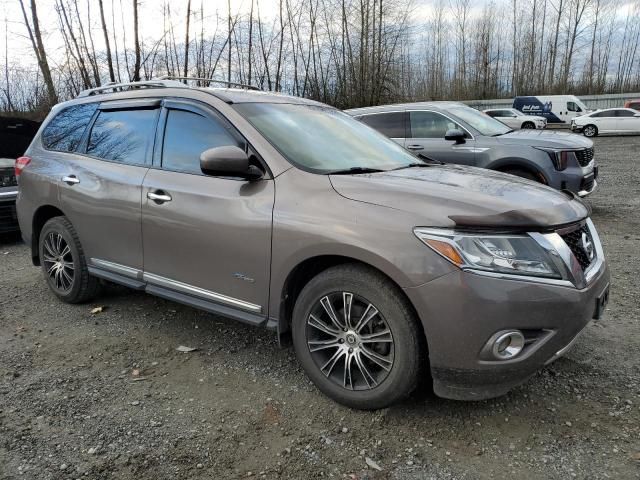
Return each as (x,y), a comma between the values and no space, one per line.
(555,108)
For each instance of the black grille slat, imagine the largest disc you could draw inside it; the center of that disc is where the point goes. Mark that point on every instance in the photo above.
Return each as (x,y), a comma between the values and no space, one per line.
(573,240)
(584,156)
(7,177)
(587,184)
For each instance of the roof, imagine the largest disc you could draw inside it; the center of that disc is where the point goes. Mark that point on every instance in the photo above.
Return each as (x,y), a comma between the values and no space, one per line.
(436,105)
(241,95)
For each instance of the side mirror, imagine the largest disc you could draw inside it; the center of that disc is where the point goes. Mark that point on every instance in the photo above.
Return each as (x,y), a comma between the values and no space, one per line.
(455,135)
(228,162)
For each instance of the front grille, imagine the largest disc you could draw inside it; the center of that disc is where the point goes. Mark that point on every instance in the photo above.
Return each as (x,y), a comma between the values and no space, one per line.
(579,245)
(584,156)
(7,177)
(8,218)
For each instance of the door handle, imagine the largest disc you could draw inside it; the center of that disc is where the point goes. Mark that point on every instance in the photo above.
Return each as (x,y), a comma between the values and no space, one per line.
(415,147)
(159,196)
(70,179)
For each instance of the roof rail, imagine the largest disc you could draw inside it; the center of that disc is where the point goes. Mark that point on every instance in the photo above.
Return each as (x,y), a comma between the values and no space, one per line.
(211,80)
(120,87)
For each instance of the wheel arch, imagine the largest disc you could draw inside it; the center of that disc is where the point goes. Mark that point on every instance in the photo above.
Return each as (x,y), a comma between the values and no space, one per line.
(307,269)
(506,164)
(41,216)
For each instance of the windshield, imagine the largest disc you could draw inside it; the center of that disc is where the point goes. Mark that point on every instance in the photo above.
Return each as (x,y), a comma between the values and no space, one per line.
(323,139)
(482,122)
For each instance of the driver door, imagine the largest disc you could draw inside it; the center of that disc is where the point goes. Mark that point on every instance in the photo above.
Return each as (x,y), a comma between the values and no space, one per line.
(206,239)
(426,131)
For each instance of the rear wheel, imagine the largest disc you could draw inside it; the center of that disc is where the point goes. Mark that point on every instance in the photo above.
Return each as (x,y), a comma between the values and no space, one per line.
(590,131)
(528,125)
(63,262)
(357,338)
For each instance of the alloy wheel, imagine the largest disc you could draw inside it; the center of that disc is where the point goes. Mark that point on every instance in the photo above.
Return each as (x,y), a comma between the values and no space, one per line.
(350,341)
(589,131)
(58,262)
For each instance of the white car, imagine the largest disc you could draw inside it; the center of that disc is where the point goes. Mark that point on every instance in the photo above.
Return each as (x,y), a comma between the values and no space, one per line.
(614,121)
(516,119)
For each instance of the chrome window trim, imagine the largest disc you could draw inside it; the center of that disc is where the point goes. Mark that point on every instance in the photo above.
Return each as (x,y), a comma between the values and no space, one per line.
(200,292)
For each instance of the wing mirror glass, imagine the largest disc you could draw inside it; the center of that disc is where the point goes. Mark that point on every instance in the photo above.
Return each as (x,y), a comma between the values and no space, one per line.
(455,135)
(228,161)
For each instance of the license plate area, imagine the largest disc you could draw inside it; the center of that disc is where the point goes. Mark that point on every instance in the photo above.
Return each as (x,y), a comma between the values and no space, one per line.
(601,303)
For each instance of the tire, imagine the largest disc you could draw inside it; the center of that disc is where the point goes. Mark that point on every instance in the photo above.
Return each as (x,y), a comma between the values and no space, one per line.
(590,131)
(63,262)
(393,321)
(519,172)
(528,126)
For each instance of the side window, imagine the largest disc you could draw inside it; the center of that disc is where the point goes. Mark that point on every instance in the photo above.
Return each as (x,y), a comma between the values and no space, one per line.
(389,124)
(64,132)
(624,113)
(124,136)
(187,135)
(430,125)
(494,113)
(573,107)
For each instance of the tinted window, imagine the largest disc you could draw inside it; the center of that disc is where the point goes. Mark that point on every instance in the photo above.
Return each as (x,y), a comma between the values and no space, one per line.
(494,113)
(123,135)
(624,113)
(187,135)
(389,124)
(65,131)
(604,113)
(634,105)
(430,125)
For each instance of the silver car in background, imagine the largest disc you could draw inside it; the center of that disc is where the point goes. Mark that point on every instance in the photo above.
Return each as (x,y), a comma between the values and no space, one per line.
(452,132)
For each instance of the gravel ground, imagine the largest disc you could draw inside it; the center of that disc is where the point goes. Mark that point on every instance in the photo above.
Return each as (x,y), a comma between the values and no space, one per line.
(106,395)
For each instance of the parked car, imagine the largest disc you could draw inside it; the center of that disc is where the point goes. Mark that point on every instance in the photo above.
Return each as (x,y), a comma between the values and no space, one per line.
(614,121)
(555,108)
(15,136)
(8,194)
(376,263)
(516,119)
(635,104)
(451,132)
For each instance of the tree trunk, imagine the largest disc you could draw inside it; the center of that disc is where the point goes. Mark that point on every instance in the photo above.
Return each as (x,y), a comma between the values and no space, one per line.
(112,76)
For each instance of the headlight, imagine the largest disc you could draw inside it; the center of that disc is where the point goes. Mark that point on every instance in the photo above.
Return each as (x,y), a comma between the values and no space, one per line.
(507,254)
(558,157)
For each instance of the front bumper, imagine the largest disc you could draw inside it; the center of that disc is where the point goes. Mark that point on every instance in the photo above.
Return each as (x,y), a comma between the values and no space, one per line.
(462,310)
(8,215)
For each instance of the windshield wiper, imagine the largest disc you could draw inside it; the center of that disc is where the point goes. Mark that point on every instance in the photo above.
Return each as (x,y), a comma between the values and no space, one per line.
(354,170)
(429,162)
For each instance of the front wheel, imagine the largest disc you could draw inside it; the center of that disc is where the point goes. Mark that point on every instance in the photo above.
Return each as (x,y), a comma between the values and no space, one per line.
(528,125)
(357,338)
(63,262)
(590,131)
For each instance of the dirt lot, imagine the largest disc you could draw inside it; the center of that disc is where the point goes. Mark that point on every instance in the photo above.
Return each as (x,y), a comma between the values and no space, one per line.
(107,395)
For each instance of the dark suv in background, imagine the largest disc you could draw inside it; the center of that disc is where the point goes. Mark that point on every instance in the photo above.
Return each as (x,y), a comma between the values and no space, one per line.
(452,132)
(375,263)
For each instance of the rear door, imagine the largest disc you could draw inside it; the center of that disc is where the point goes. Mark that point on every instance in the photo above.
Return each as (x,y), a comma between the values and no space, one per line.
(102,187)
(606,121)
(626,121)
(204,236)
(427,130)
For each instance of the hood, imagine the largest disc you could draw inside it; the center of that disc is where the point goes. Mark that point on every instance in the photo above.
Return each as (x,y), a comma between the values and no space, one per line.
(457,196)
(545,138)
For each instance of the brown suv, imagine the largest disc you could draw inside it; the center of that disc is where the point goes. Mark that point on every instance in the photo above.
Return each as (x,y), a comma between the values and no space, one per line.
(286,213)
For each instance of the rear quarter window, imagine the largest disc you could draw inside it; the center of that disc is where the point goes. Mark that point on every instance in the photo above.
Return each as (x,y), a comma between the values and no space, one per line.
(64,132)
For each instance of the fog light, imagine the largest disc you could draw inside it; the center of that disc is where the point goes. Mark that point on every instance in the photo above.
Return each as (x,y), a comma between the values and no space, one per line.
(508,345)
